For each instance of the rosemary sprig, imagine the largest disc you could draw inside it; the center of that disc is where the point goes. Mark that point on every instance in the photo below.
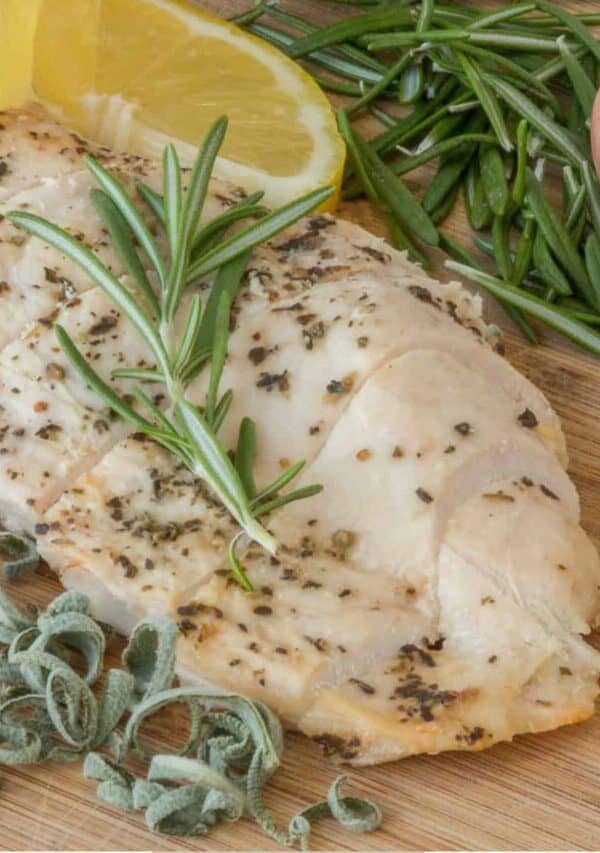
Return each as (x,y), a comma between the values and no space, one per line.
(194,251)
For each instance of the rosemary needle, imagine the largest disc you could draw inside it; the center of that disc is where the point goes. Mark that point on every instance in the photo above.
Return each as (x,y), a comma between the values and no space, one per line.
(553,316)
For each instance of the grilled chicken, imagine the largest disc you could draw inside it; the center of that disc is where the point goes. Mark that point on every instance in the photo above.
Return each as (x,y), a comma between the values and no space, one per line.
(432,597)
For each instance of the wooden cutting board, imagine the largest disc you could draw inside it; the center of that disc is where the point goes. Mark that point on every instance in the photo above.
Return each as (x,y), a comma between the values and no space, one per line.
(539,793)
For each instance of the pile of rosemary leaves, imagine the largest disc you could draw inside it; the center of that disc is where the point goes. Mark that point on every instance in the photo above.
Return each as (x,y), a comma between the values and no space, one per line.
(51,709)
(500,98)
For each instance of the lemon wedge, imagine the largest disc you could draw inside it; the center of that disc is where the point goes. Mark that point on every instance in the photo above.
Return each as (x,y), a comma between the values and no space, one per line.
(17,25)
(134,74)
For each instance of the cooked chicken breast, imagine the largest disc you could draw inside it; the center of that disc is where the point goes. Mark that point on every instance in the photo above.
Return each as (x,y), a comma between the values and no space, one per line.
(432,597)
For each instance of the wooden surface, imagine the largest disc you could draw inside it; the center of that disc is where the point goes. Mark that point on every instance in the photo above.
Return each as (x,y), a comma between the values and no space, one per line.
(539,793)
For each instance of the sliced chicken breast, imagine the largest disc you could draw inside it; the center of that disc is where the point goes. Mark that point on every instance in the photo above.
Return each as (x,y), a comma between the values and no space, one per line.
(432,597)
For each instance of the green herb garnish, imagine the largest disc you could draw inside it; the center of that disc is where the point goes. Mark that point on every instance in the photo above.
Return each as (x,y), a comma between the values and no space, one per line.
(18,554)
(49,711)
(194,251)
(491,94)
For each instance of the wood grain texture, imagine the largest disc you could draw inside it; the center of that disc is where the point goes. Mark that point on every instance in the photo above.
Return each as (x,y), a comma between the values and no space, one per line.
(538,793)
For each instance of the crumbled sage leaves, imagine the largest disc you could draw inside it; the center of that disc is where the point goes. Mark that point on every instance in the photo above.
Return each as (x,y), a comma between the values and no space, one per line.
(57,703)
(185,429)
(18,553)
(492,95)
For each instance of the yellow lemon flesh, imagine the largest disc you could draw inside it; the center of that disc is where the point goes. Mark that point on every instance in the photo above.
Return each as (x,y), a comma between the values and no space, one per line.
(134,74)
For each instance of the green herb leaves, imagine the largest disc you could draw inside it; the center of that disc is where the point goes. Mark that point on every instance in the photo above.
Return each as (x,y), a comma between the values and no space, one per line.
(49,712)
(382,185)
(186,429)
(18,554)
(486,86)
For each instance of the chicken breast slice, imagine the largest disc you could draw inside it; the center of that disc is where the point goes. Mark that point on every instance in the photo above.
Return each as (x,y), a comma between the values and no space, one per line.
(47,441)
(166,554)
(42,171)
(269,335)
(425,432)
(154,530)
(54,427)
(341,331)
(498,667)
(303,359)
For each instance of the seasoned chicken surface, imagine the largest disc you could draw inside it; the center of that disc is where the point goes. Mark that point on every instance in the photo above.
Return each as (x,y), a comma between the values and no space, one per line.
(432,597)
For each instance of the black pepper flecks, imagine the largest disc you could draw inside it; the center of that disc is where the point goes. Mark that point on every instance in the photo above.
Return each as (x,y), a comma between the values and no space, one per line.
(346,749)
(307,242)
(528,419)
(367,689)
(257,355)
(289,575)
(313,333)
(104,325)
(375,254)
(339,386)
(474,735)
(463,428)
(499,496)
(548,492)
(269,381)
(129,567)
(49,432)
(421,293)
(319,643)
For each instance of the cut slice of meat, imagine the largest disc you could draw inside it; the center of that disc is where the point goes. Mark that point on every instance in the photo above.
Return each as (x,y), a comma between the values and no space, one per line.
(53,427)
(519,535)
(152,528)
(42,171)
(100,332)
(304,358)
(495,669)
(46,441)
(424,433)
